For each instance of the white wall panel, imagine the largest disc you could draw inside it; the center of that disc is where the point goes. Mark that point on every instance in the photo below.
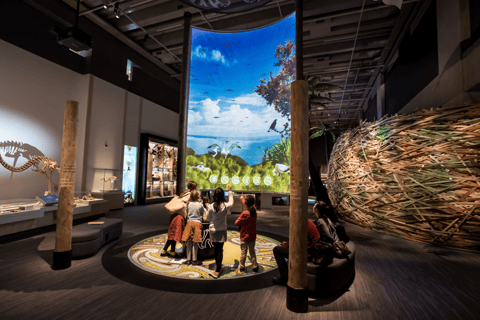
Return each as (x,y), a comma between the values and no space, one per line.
(33,92)
(159,121)
(106,128)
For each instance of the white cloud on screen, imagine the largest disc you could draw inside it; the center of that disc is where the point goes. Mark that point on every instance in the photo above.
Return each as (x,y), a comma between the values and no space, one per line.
(206,54)
(252,99)
(217,56)
(208,119)
(198,53)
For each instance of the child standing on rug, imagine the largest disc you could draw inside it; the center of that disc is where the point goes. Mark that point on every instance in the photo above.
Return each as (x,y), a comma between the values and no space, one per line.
(217,216)
(192,234)
(248,232)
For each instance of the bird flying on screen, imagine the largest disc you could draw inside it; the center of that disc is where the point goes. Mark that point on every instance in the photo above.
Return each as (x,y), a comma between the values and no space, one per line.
(272,126)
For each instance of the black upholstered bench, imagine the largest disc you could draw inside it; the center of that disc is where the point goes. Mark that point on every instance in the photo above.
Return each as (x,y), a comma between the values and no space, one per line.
(87,239)
(323,280)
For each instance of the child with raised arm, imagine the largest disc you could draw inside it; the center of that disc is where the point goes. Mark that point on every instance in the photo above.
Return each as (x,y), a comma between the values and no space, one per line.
(248,232)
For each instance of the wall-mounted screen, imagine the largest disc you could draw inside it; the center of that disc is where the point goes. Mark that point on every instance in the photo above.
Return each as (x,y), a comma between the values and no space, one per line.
(129,173)
(238,129)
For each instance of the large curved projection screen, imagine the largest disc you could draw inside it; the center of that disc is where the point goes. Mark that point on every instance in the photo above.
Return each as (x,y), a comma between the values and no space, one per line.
(238,130)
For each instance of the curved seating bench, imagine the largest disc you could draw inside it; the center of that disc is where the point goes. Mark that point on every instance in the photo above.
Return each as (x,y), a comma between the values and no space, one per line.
(87,239)
(327,279)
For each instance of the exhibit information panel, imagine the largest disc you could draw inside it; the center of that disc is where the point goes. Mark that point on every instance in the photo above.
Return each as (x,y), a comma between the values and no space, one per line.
(238,130)
(129,173)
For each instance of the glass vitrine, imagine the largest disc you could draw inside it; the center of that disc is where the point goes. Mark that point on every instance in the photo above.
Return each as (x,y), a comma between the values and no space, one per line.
(159,162)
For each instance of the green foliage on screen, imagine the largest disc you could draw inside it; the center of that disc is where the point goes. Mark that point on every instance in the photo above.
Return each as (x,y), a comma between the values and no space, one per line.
(234,166)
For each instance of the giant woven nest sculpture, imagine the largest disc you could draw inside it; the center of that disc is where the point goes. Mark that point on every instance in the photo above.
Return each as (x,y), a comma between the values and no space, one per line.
(415,176)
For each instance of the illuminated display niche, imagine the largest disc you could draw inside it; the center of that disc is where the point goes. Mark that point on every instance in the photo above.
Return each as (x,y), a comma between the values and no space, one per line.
(238,130)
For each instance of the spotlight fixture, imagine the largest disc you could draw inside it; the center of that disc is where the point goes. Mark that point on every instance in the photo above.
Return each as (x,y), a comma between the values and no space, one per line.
(115,10)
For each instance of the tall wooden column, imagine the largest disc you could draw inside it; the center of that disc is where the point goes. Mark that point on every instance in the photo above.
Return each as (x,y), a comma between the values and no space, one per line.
(183,112)
(297,291)
(62,256)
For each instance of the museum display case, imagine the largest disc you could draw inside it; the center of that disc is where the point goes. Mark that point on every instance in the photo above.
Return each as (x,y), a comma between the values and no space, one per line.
(158,169)
(107,184)
(107,180)
(18,205)
(14,211)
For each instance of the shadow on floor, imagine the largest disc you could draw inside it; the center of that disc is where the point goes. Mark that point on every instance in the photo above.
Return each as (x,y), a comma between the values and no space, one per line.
(326,299)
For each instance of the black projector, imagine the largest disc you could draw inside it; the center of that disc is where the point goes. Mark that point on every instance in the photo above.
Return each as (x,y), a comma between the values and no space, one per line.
(74,39)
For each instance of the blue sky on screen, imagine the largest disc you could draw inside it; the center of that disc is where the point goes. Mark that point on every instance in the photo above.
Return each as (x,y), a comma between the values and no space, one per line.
(225,69)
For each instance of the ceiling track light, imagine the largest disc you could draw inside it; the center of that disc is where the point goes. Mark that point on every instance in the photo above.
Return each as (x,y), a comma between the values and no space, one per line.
(115,10)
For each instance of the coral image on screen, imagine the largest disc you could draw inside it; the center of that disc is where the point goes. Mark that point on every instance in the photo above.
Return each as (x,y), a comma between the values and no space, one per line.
(238,129)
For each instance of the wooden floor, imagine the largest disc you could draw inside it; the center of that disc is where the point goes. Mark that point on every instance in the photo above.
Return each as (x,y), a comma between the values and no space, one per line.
(395,279)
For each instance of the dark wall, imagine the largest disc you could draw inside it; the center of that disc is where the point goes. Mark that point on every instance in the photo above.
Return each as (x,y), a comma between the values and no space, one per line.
(318,151)
(371,113)
(416,65)
(474,20)
(27,27)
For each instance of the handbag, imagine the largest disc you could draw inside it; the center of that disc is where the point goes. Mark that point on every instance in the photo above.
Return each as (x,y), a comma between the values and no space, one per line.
(322,253)
(340,249)
(176,205)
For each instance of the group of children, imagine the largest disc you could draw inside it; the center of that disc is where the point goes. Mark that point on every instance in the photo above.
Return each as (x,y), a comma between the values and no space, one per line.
(200,210)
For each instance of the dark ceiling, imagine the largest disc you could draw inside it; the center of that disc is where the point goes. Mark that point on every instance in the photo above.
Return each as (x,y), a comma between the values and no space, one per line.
(348,42)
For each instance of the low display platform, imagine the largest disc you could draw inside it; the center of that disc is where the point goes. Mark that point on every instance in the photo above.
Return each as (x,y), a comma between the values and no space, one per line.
(137,260)
(37,216)
(88,238)
(146,255)
(116,199)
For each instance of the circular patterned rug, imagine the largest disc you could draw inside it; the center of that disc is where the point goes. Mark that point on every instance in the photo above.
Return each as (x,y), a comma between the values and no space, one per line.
(116,261)
(145,254)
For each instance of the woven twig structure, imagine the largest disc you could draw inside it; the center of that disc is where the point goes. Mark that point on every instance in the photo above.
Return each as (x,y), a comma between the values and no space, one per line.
(415,176)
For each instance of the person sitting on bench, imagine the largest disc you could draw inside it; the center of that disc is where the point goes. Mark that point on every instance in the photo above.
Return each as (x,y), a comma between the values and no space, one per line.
(324,225)
(281,253)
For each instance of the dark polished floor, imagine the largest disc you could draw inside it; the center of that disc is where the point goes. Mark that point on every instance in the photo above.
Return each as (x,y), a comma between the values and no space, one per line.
(395,279)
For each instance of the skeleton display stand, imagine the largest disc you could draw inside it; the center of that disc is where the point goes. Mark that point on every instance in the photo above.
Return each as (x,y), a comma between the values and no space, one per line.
(40,164)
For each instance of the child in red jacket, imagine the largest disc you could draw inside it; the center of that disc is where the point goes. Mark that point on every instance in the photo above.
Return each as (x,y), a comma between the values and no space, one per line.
(248,232)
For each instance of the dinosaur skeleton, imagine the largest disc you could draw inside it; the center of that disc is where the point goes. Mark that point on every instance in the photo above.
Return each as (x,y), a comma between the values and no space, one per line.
(15,150)
(40,164)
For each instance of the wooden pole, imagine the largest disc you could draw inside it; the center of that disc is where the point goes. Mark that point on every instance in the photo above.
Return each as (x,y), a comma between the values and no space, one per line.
(183,112)
(62,256)
(297,291)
